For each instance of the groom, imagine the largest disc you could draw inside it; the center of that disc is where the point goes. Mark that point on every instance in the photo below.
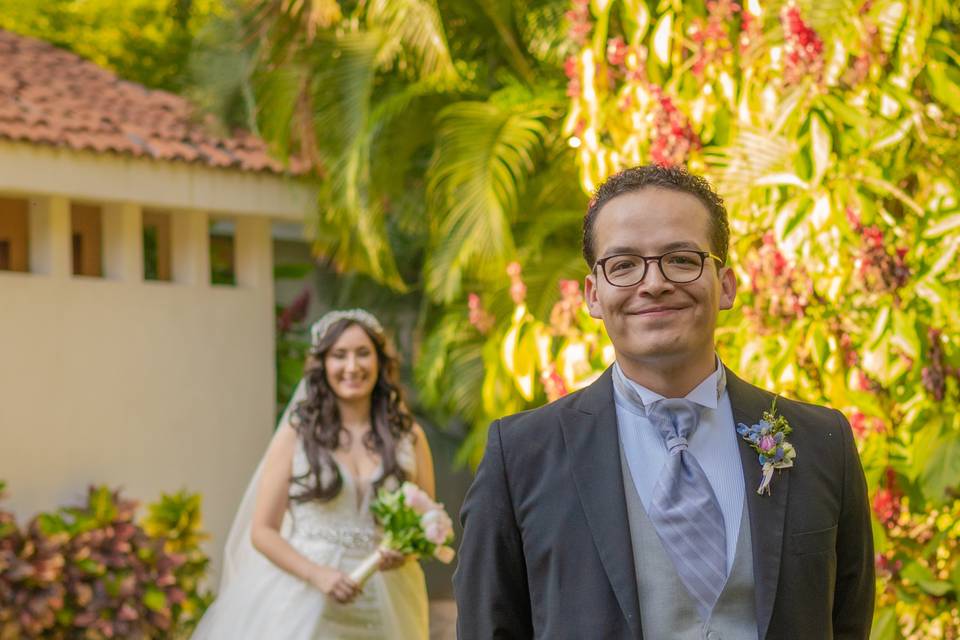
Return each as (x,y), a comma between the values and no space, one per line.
(630,509)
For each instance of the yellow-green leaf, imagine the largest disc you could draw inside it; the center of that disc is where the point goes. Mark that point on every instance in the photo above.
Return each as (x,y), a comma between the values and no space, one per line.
(820,143)
(662,37)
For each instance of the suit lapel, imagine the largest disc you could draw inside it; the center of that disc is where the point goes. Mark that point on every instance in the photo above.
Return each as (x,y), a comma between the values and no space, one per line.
(767,512)
(592,441)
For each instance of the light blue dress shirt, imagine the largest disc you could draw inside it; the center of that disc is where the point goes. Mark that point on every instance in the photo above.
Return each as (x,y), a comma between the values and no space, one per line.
(714,444)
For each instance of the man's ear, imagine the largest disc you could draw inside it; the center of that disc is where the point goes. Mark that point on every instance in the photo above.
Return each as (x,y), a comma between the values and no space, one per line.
(728,288)
(590,295)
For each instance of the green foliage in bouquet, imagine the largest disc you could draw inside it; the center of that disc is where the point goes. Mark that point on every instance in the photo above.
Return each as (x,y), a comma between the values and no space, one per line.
(834,143)
(92,572)
(400,524)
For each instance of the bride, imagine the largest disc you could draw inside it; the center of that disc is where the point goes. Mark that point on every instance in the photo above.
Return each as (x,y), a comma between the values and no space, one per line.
(304,523)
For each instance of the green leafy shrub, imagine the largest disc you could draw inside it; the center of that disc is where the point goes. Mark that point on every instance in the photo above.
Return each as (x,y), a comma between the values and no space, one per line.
(93,572)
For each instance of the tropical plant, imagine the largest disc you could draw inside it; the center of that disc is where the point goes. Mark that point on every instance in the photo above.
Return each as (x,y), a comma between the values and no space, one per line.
(436,127)
(176,519)
(293,338)
(144,41)
(832,142)
(93,572)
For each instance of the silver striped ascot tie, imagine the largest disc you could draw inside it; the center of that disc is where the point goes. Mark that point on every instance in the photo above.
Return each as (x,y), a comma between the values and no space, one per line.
(684,509)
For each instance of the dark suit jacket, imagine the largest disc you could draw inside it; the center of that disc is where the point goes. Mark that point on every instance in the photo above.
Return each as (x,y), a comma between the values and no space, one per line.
(546,549)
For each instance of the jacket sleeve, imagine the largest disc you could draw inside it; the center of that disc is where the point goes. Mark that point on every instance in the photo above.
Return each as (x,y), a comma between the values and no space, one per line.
(490,582)
(855,587)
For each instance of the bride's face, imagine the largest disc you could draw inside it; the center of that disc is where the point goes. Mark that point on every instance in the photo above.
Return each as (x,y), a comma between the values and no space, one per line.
(351,364)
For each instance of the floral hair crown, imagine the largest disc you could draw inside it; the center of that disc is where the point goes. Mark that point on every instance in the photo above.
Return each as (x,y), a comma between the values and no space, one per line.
(319,329)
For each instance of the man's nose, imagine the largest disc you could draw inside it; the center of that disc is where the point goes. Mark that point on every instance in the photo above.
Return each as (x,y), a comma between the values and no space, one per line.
(653,281)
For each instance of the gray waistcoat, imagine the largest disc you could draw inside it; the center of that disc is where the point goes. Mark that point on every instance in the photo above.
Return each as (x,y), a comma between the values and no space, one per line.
(666,609)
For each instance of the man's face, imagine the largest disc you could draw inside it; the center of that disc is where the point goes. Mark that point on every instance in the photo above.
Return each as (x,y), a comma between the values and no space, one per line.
(658,322)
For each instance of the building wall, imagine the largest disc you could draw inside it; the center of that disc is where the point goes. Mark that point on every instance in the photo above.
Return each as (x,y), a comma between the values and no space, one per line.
(148,386)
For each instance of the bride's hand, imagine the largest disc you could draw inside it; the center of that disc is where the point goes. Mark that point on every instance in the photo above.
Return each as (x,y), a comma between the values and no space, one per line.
(390,559)
(334,583)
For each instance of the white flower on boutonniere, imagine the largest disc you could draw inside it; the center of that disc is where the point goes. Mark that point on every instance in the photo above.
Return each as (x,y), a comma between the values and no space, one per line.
(769,439)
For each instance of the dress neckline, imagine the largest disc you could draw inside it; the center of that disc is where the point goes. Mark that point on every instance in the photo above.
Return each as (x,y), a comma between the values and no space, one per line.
(361,489)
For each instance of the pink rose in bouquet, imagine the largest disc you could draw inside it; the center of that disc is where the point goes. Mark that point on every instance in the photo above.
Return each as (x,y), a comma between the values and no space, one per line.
(416,498)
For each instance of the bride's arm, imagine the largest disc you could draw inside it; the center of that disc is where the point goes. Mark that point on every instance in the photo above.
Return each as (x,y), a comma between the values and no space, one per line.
(425,478)
(272,499)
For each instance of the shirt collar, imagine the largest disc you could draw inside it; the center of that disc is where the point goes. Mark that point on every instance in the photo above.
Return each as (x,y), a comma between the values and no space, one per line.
(707,393)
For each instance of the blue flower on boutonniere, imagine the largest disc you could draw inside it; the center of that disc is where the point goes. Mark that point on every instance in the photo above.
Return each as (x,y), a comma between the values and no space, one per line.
(769,439)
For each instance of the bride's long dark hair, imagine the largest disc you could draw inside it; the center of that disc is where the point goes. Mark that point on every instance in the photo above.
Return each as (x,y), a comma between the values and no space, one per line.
(318,424)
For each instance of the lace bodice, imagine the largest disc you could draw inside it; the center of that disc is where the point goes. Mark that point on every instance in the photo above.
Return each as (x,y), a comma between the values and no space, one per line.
(345,521)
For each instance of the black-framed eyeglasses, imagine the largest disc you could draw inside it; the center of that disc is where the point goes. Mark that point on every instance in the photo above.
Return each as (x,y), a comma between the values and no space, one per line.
(680,267)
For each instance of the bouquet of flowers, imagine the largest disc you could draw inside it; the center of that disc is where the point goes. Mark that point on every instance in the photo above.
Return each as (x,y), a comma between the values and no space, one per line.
(413,524)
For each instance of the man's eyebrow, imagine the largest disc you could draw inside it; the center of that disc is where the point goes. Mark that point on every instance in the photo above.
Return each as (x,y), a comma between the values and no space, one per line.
(672,246)
(681,244)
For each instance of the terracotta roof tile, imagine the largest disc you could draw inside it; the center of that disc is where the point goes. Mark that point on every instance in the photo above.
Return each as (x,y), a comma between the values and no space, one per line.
(51,96)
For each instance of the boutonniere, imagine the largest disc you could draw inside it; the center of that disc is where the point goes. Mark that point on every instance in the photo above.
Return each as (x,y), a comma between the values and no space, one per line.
(769,439)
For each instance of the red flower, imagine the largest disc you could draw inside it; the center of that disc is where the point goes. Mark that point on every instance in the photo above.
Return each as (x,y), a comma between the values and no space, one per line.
(858,422)
(616,51)
(887,501)
(803,48)
(479,317)
(887,507)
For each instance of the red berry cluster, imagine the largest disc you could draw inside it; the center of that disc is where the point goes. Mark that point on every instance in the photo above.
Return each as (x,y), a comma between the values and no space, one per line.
(563,316)
(871,53)
(672,137)
(480,318)
(877,269)
(751,29)
(711,36)
(850,356)
(868,384)
(887,501)
(863,426)
(518,290)
(616,51)
(295,312)
(571,67)
(934,376)
(888,566)
(628,62)
(579,19)
(553,383)
(780,290)
(803,48)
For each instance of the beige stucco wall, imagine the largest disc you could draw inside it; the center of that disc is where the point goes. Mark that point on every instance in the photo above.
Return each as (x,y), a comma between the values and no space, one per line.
(149,386)
(153,387)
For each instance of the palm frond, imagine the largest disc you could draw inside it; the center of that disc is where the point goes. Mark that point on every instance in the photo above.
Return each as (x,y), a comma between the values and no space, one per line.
(221,66)
(352,231)
(484,156)
(415,27)
(450,369)
(753,155)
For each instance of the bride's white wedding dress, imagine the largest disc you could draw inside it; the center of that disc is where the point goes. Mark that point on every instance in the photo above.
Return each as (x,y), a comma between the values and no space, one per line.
(262,602)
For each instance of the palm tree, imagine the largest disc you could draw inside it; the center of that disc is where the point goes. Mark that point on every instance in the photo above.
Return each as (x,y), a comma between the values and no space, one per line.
(434,125)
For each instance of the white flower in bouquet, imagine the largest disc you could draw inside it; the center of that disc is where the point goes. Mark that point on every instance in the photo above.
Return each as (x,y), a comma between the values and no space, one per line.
(413,524)
(437,526)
